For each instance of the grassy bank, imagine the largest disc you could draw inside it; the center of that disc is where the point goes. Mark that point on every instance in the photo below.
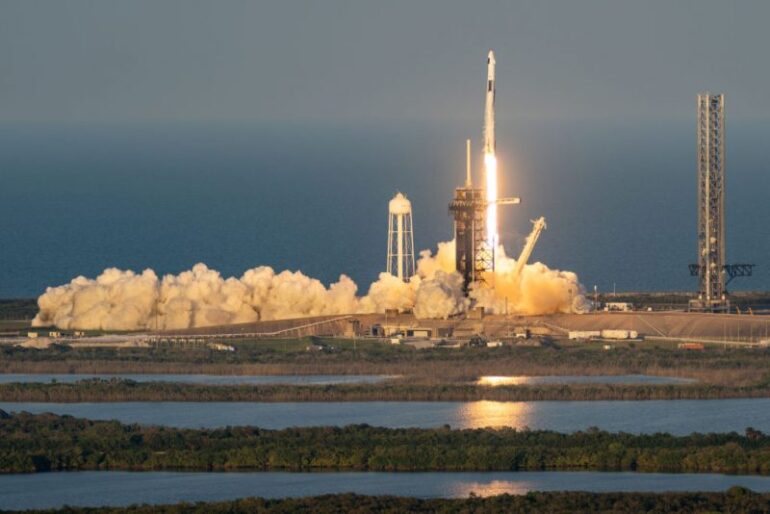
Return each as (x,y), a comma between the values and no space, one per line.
(736,499)
(729,367)
(30,443)
(114,390)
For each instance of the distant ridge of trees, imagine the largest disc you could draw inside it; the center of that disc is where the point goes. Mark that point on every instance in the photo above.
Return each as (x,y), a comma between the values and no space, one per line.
(46,442)
(119,390)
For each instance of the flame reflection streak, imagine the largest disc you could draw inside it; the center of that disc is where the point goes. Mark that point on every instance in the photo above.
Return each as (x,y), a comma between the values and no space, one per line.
(492,488)
(487,413)
(494,380)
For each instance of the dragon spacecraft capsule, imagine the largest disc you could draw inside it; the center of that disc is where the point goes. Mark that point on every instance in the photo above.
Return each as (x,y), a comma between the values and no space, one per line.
(489,107)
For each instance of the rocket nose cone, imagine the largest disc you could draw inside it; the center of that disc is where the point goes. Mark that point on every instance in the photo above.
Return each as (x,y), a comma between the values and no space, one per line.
(491,57)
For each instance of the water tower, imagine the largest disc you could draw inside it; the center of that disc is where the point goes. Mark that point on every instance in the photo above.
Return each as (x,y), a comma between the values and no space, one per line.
(400,238)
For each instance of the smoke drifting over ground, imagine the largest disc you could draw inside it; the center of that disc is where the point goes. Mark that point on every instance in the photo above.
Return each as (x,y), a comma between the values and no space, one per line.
(124,300)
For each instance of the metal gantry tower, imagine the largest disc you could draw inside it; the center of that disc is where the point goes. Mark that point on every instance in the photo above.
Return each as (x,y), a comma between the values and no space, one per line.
(711,268)
(468,208)
(711,202)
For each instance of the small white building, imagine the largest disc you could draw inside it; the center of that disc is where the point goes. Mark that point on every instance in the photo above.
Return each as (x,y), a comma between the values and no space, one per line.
(619,334)
(584,334)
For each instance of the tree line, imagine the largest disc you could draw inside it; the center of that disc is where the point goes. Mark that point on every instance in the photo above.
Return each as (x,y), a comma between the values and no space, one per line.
(47,442)
(118,390)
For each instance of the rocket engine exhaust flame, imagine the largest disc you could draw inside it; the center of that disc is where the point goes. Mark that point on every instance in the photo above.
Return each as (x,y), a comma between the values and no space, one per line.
(490,166)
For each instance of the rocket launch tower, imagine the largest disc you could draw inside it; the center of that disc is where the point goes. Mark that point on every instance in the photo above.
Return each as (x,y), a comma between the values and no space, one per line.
(468,208)
(475,209)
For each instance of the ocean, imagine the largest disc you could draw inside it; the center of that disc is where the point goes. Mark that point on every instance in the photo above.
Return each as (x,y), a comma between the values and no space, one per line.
(619,197)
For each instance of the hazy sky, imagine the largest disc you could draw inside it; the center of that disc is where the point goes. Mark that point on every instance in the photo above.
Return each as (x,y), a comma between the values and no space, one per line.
(377,60)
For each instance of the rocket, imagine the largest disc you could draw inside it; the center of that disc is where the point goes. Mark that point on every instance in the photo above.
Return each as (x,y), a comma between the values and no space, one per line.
(490,160)
(489,107)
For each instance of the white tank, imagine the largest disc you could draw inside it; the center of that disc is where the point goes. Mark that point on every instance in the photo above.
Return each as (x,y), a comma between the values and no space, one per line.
(400,238)
(400,205)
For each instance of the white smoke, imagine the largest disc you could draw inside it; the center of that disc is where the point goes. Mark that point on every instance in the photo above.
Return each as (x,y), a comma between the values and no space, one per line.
(538,290)
(440,296)
(124,300)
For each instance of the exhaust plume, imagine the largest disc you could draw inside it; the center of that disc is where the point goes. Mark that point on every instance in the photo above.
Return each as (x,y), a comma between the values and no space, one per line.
(200,297)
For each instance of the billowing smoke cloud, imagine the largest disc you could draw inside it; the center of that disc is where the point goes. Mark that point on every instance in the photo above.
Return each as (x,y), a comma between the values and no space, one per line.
(440,296)
(537,290)
(124,300)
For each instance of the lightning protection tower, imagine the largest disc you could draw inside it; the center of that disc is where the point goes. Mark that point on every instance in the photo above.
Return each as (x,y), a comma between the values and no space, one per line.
(400,238)
(710,267)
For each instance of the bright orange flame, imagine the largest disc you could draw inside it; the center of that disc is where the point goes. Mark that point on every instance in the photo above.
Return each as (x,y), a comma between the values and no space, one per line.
(493,488)
(490,163)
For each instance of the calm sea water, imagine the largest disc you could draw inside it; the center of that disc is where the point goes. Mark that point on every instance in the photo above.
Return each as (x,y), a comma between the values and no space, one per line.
(619,199)
(678,417)
(102,488)
(7,378)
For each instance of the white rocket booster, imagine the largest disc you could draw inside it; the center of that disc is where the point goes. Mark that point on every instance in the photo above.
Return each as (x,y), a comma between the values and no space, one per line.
(489,107)
(490,160)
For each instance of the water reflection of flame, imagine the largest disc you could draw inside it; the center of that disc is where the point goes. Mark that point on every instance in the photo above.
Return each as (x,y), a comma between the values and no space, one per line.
(491,488)
(493,380)
(495,414)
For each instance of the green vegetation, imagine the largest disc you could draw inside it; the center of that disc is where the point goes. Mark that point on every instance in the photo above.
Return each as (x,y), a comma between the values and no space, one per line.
(736,499)
(46,442)
(729,367)
(118,390)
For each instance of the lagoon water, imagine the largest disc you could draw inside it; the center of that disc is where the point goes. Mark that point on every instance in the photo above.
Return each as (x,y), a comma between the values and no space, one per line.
(679,417)
(7,378)
(102,488)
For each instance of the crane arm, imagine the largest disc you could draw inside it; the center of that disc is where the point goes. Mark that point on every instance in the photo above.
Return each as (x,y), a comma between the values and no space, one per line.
(538,226)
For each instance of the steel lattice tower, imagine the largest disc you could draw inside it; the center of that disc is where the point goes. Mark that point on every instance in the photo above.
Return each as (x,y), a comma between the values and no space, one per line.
(711,203)
(468,208)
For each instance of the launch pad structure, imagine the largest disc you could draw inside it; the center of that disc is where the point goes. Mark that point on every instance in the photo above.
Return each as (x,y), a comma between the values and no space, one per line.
(473,255)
